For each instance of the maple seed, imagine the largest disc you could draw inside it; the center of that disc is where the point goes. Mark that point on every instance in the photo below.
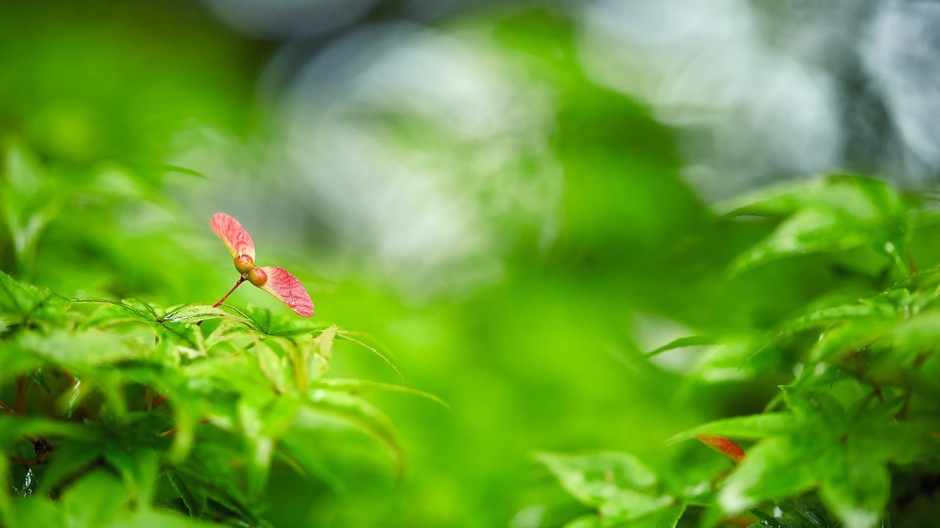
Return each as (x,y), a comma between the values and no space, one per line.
(272,279)
(244,264)
(258,277)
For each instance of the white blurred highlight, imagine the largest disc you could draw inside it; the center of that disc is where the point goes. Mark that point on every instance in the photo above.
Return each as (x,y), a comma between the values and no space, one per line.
(763,92)
(428,153)
(902,55)
(703,68)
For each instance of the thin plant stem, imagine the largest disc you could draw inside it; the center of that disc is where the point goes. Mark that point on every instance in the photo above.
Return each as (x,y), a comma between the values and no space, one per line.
(216,305)
(237,284)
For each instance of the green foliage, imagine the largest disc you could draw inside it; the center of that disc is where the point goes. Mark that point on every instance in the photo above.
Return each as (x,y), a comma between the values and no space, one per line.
(120,410)
(856,421)
(585,224)
(623,489)
(116,411)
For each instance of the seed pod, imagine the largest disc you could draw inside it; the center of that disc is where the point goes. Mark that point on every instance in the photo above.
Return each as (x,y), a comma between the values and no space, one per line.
(244,263)
(257,276)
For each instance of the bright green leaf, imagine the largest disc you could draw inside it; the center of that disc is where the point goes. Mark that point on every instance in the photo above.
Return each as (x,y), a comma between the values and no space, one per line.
(585,521)
(273,365)
(774,468)
(137,467)
(359,413)
(750,427)
(147,518)
(856,489)
(80,349)
(356,386)
(595,479)
(93,500)
(35,511)
(666,518)
(808,231)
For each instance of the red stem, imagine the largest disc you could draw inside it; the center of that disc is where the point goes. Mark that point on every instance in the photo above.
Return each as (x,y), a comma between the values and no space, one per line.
(237,284)
(158,401)
(173,431)
(24,461)
(20,403)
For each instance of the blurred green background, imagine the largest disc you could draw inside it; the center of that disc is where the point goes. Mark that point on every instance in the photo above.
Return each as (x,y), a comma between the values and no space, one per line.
(449,180)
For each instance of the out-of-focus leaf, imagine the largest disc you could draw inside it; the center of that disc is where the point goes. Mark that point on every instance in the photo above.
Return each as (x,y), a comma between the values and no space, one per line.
(311,459)
(79,349)
(818,412)
(210,478)
(629,505)
(585,521)
(838,213)
(321,353)
(860,197)
(356,386)
(916,334)
(618,484)
(362,340)
(263,420)
(149,518)
(72,458)
(279,415)
(227,331)
(14,428)
(737,360)
(359,413)
(195,502)
(856,489)
(133,310)
(684,342)
(666,518)
(808,231)
(28,302)
(138,468)
(591,478)
(845,339)
(273,365)
(235,373)
(6,513)
(94,500)
(35,511)
(752,427)
(841,314)
(776,467)
(28,203)
(901,442)
(260,444)
(22,169)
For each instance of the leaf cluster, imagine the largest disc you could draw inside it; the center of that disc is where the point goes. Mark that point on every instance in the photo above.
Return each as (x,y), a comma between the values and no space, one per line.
(851,438)
(121,413)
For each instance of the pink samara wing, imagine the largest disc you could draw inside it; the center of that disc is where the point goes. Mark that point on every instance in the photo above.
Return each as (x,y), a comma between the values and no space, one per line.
(288,289)
(233,235)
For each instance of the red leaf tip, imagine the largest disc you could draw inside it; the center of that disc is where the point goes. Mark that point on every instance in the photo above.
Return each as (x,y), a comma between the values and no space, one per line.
(722,445)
